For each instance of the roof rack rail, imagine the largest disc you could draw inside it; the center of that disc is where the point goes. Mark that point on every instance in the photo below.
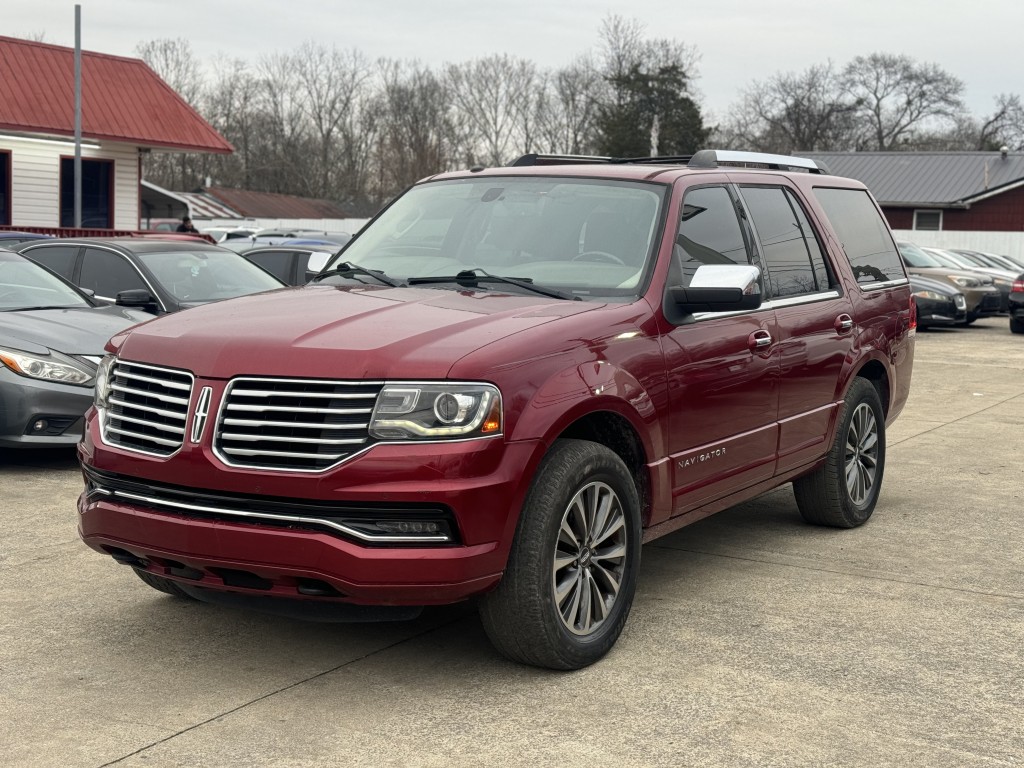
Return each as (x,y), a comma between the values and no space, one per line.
(537,159)
(715,158)
(705,158)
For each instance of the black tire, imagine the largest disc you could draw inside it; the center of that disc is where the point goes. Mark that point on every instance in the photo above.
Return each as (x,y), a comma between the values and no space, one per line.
(160,584)
(1016,326)
(553,550)
(842,492)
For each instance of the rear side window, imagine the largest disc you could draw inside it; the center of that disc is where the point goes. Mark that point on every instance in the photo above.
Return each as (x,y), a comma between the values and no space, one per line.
(709,231)
(863,233)
(59,258)
(277,263)
(792,255)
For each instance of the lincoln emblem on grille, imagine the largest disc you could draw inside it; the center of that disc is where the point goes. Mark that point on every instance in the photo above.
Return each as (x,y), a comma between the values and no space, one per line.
(202,411)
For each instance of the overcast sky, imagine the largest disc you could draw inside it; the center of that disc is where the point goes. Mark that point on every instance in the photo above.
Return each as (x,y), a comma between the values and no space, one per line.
(981,42)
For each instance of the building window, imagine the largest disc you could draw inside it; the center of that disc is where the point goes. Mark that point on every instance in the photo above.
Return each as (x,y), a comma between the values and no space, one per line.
(97,193)
(930,220)
(5,187)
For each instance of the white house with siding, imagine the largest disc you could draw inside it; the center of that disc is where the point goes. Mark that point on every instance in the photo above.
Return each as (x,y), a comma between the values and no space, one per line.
(127,110)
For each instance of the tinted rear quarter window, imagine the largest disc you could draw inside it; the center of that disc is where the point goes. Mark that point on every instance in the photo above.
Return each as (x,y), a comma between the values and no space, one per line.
(791,251)
(863,234)
(277,263)
(59,258)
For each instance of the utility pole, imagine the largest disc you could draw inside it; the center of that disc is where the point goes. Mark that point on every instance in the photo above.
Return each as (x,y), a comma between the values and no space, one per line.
(78,116)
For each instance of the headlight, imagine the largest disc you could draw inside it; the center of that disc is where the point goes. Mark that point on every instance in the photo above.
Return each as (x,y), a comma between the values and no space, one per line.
(51,367)
(101,394)
(965,282)
(929,295)
(436,411)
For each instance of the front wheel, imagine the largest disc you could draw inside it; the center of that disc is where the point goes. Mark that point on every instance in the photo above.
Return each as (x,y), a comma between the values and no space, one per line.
(842,493)
(572,569)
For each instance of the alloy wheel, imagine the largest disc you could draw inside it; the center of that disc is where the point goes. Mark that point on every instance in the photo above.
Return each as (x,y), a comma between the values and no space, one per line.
(590,558)
(861,454)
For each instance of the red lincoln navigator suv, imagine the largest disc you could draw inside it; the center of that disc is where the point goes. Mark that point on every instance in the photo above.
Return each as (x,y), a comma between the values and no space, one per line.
(502,386)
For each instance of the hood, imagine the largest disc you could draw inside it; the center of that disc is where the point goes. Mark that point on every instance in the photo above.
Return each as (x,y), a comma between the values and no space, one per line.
(325,331)
(920,282)
(76,331)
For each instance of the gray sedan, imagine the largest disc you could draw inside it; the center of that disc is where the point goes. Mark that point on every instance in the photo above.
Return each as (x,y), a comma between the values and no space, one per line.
(51,340)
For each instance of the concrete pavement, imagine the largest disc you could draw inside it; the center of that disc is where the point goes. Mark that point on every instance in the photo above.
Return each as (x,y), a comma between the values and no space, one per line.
(755,640)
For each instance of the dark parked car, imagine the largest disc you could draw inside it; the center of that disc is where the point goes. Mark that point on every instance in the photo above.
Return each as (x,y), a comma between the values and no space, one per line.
(152,274)
(51,340)
(983,298)
(938,303)
(1017,305)
(542,367)
(292,262)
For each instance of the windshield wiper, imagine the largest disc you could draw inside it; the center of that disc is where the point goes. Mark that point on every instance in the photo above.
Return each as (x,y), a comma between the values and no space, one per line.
(470,278)
(47,306)
(348,269)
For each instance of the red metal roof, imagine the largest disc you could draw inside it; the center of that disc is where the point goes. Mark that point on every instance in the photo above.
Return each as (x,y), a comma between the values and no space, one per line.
(122,99)
(271,205)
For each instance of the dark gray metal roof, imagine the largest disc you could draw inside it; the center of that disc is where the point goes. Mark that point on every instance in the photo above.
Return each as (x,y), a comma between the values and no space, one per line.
(933,179)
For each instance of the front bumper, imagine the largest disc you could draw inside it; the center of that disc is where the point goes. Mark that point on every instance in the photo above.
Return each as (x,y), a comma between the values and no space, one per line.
(932,312)
(480,485)
(25,401)
(984,303)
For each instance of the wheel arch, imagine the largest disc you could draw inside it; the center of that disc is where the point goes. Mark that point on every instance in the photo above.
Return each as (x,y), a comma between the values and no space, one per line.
(878,375)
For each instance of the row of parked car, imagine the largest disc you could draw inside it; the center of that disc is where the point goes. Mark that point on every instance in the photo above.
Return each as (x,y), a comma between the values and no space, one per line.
(62,298)
(959,286)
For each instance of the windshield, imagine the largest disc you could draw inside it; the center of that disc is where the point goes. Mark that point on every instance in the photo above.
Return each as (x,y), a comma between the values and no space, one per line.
(25,284)
(583,237)
(915,257)
(207,275)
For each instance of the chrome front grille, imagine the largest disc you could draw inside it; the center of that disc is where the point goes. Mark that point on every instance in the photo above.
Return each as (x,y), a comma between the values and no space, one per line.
(148,407)
(294,424)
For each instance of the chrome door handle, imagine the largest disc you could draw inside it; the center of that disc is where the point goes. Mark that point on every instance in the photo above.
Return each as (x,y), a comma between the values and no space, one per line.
(761,339)
(844,323)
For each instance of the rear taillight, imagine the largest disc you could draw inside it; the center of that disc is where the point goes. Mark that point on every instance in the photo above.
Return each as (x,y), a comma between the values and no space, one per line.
(1018,285)
(913,314)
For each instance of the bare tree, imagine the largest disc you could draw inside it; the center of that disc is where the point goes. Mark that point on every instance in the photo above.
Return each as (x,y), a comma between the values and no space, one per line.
(280,101)
(567,108)
(494,97)
(331,82)
(230,107)
(789,112)
(896,96)
(416,138)
(1004,127)
(176,64)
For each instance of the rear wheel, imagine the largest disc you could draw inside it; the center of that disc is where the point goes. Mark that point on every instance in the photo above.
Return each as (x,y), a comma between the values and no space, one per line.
(160,584)
(572,569)
(1016,326)
(842,493)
